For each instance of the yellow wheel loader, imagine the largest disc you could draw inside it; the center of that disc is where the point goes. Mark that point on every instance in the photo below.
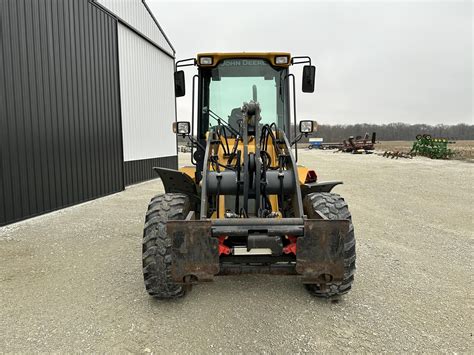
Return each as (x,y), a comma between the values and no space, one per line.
(245,206)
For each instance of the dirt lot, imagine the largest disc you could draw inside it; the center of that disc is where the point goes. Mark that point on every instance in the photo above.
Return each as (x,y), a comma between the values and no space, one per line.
(71,280)
(463,150)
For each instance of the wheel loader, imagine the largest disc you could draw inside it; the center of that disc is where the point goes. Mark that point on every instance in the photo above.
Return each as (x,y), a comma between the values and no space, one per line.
(245,206)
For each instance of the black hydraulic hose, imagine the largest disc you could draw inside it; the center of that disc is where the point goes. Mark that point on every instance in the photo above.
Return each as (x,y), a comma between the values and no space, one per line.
(219,177)
(263,134)
(237,195)
(226,142)
(263,184)
(220,140)
(266,133)
(275,143)
(268,159)
(234,150)
(215,116)
(264,137)
(217,164)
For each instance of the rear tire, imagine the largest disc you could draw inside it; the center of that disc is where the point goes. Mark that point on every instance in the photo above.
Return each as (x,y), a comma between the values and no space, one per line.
(310,147)
(157,245)
(333,206)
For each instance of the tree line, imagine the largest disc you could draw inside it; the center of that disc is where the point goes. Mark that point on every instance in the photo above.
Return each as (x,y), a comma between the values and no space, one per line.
(395,131)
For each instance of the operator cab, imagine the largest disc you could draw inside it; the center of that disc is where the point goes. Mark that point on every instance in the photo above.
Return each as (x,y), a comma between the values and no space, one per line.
(234,81)
(226,81)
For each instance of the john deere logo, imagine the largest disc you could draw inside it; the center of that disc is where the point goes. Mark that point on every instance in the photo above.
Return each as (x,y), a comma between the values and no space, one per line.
(242,62)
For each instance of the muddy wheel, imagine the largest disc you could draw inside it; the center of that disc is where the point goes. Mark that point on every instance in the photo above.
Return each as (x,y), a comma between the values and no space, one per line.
(333,206)
(157,244)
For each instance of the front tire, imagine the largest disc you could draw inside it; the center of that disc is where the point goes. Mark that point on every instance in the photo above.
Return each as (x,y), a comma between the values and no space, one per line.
(333,206)
(157,245)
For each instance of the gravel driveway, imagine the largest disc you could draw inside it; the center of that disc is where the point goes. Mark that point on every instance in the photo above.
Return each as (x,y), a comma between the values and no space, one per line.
(72,281)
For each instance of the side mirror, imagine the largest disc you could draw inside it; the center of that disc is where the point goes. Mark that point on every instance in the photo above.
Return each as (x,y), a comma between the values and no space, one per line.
(307,127)
(181,127)
(179,83)
(309,73)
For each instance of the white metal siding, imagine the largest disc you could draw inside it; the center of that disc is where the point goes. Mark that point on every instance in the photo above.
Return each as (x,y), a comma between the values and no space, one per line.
(136,15)
(147,96)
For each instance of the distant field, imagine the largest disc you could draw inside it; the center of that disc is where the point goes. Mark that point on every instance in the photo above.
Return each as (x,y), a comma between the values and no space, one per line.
(464,150)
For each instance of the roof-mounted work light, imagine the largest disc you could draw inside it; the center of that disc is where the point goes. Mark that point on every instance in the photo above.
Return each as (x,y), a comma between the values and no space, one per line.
(281,60)
(205,60)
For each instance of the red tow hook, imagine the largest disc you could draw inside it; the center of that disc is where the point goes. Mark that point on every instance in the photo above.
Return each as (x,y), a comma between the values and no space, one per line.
(290,248)
(223,249)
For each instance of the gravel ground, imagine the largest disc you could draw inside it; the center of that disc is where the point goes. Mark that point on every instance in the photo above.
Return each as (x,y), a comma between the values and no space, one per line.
(71,280)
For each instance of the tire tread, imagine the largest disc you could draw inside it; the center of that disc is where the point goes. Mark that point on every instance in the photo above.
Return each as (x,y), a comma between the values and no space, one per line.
(156,245)
(333,206)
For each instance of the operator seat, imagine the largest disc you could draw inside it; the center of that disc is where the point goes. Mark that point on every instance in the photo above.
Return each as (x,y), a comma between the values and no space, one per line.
(235,118)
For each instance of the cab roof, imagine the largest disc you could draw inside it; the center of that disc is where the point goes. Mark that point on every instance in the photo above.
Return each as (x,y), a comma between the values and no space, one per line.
(270,56)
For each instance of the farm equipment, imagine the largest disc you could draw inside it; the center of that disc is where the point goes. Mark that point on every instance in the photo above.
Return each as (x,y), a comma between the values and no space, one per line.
(434,148)
(358,145)
(397,154)
(353,145)
(315,143)
(245,206)
(330,146)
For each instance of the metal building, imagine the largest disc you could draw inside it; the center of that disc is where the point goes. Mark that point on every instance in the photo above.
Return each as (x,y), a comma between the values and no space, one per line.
(86,101)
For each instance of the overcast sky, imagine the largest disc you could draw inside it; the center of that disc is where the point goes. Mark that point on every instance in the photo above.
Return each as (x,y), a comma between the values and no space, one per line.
(376,61)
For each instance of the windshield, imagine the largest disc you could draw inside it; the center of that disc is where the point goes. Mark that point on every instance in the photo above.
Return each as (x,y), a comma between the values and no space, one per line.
(235,81)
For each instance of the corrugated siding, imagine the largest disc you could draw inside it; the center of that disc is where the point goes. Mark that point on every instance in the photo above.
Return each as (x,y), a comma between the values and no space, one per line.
(136,15)
(147,96)
(141,170)
(60,120)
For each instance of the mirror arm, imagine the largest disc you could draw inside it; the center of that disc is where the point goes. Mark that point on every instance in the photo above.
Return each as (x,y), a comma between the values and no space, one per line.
(298,138)
(185,63)
(301,60)
(194,141)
